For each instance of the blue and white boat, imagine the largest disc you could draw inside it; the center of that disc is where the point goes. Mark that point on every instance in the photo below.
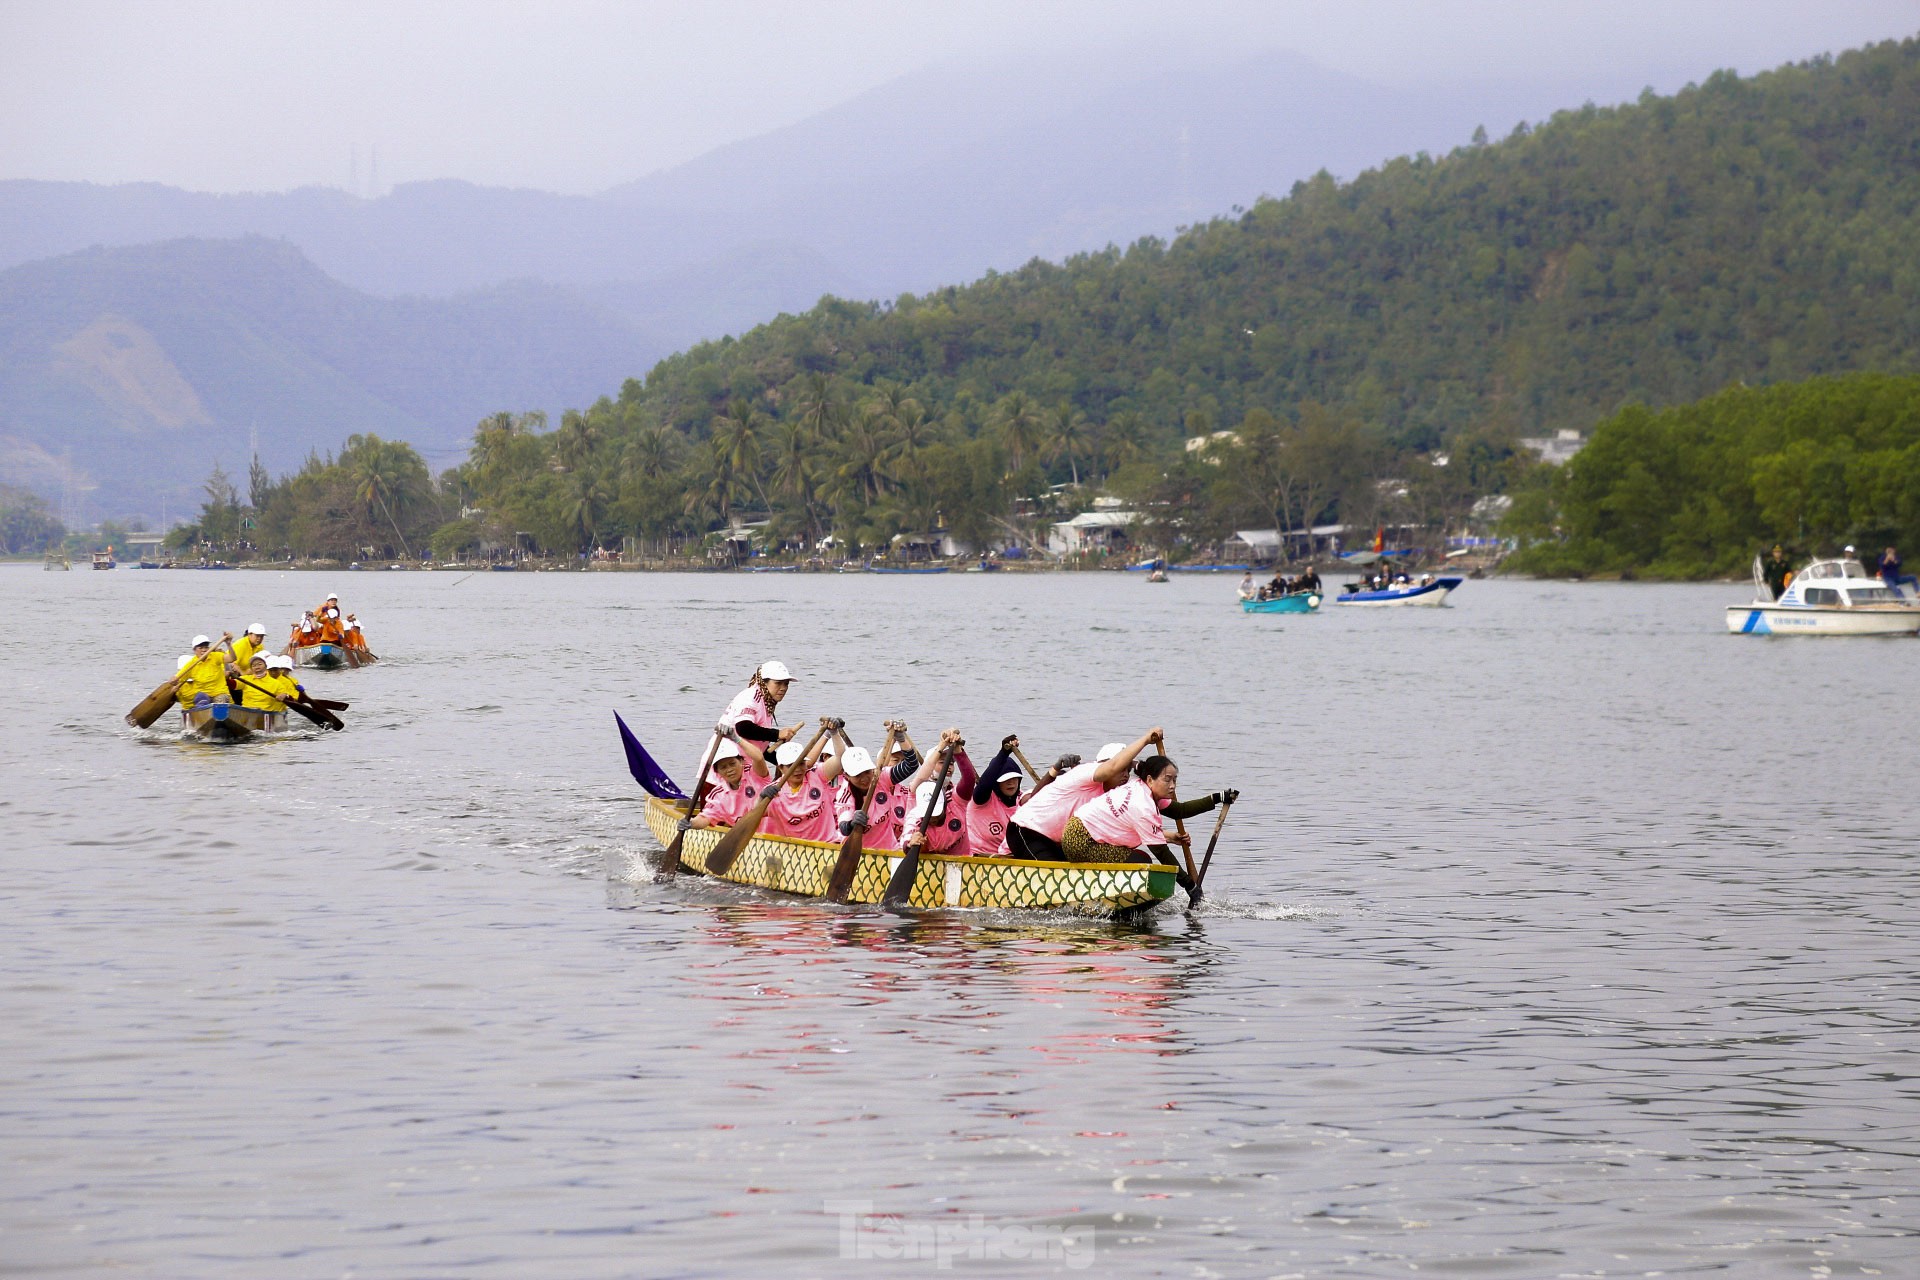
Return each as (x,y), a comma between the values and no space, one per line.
(1828,598)
(1431,594)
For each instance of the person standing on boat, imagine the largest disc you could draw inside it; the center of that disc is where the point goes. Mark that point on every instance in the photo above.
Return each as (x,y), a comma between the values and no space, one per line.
(753,716)
(995,796)
(1126,823)
(945,830)
(1039,823)
(734,789)
(1776,569)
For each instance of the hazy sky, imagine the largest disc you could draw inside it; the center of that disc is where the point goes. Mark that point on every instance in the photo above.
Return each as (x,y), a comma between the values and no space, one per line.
(578,95)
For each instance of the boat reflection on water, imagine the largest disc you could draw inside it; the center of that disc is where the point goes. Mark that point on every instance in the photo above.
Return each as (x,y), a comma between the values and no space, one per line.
(1056,994)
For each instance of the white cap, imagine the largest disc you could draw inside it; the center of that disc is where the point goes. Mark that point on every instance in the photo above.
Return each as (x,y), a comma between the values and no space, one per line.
(1015,774)
(257,629)
(771,670)
(200,640)
(856,762)
(259,657)
(185,658)
(1109,751)
(727,751)
(331,596)
(787,754)
(925,792)
(277,660)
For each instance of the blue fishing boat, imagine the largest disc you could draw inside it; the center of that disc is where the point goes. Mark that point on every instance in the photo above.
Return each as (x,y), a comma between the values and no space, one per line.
(1293,602)
(1432,594)
(936,568)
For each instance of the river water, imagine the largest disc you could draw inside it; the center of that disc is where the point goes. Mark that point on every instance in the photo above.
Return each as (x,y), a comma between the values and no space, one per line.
(1558,933)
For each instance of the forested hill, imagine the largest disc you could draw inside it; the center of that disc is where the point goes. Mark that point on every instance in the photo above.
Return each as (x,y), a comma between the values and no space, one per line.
(1758,229)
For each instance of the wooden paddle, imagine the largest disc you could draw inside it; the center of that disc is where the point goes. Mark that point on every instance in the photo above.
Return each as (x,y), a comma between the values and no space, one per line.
(728,848)
(1179,824)
(154,705)
(840,879)
(1021,756)
(667,862)
(325,719)
(900,884)
(1199,881)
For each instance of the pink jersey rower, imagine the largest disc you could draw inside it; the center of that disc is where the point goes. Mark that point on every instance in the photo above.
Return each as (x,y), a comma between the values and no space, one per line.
(1128,815)
(1039,824)
(947,832)
(804,810)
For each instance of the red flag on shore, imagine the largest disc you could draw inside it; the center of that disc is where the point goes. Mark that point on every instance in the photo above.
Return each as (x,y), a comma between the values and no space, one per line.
(1380,538)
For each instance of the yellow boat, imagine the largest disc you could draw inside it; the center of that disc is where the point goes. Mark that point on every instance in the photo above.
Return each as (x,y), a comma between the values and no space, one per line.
(802,867)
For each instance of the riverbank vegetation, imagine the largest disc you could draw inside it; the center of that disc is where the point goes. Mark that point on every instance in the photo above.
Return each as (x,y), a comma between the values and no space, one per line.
(1369,353)
(1698,490)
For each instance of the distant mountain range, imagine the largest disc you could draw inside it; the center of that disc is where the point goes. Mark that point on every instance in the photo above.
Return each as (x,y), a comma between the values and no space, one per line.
(130,372)
(125,360)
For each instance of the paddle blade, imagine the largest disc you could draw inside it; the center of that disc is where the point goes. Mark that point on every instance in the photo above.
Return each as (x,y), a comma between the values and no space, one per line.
(651,777)
(666,863)
(840,880)
(900,884)
(151,707)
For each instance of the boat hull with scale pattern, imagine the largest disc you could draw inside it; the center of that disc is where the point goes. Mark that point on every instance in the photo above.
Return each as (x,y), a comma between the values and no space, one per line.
(802,867)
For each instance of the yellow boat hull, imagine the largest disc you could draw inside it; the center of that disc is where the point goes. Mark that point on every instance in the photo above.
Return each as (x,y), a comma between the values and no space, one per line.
(802,867)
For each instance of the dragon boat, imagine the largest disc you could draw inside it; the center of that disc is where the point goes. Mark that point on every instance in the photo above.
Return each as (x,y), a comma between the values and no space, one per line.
(224,722)
(325,655)
(802,866)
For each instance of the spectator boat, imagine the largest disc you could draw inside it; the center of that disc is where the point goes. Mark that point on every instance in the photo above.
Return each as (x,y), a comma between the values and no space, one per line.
(1292,602)
(1828,598)
(1432,594)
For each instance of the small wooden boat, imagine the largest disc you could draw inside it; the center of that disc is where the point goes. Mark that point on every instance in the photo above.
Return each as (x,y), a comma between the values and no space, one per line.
(103,560)
(223,722)
(1431,594)
(802,867)
(1292,602)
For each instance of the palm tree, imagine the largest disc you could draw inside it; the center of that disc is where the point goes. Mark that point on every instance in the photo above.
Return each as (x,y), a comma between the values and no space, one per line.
(1067,437)
(575,441)
(820,407)
(736,440)
(585,501)
(793,471)
(383,478)
(650,454)
(1020,424)
(1123,441)
(863,451)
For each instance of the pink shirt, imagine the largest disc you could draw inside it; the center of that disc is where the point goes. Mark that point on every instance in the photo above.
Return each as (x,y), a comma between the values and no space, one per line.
(949,830)
(1128,815)
(1048,809)
(884,812)
(729,804)
(987,825)
(747,705)
(805,814)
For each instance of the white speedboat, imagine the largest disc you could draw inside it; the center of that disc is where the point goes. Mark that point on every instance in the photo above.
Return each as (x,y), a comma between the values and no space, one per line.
(1828,598)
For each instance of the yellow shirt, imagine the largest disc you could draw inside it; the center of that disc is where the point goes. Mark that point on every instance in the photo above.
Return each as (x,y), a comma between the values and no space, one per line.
(206,674)
(251,697)
(243,650)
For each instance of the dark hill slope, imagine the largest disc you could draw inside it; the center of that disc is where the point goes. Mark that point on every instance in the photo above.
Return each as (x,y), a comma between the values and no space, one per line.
(1759,229)
(143,366)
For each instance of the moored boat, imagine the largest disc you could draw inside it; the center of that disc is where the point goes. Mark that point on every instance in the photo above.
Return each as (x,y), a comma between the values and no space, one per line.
(1828,598)
(934,568)
(803,866)
(224,722)
(1292,602)
(1430,594)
